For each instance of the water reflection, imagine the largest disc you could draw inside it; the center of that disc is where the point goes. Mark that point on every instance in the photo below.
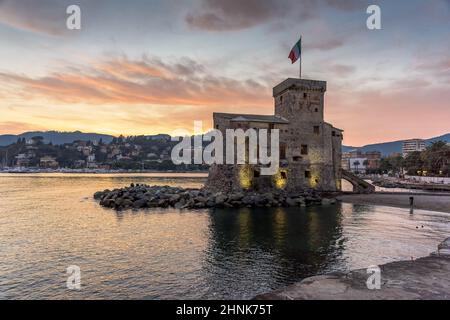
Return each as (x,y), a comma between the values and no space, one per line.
(50,222)
(269,246)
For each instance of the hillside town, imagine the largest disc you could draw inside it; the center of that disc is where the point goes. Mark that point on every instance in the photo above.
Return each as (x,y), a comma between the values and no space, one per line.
(139,153)
(153,153)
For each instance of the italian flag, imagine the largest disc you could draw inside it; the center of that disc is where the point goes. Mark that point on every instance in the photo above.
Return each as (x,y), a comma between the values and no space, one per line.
(296,51)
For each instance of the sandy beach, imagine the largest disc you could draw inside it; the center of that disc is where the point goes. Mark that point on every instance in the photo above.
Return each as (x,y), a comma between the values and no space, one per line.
(439,203)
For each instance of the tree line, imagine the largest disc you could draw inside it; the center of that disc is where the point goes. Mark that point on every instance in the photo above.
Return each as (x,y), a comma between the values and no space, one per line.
(433,161)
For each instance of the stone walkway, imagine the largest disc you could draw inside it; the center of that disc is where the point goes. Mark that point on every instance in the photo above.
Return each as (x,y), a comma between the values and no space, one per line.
(439,203)
(422,279)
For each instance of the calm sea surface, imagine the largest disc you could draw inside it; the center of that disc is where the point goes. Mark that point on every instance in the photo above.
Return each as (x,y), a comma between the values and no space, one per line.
(50,221)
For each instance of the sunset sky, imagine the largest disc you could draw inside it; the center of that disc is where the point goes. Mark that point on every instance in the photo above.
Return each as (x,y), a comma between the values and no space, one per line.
(148,67)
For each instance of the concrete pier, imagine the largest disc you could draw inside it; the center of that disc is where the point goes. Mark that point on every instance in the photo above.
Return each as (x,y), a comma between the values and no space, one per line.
(426,278)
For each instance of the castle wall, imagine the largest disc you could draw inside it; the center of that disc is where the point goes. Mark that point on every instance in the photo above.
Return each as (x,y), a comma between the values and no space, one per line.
(312,147)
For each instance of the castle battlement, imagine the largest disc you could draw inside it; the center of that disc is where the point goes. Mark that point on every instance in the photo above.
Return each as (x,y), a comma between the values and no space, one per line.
(299,84)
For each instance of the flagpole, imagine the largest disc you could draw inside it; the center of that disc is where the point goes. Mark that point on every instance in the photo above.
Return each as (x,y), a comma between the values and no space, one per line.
(301,55)
(300,64)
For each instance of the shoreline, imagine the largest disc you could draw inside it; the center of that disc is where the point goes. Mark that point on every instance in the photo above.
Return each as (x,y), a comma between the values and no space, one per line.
(422,201)
(425,278)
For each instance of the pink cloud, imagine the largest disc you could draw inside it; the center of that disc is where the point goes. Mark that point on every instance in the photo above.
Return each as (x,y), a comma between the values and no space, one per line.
(148,81)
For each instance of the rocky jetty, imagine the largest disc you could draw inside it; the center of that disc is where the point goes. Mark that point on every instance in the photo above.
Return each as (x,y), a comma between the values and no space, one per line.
(144,196)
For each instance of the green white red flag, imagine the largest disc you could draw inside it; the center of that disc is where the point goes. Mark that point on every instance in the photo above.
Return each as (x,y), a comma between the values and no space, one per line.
(296,51)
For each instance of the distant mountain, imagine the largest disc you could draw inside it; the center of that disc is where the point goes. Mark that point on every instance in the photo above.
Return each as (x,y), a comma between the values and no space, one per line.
(388,148)
(55,137)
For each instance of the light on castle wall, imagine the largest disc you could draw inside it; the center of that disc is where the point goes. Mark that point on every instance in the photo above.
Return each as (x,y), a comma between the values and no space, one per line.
(314,180)
(280,178)
(245,176)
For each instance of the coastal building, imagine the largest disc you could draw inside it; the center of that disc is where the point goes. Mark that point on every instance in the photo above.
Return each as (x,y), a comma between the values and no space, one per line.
(345,163)
(310,148)
(413,145)
(358,165)
(92,165)
(395,154)
(364,161)
(373,159)
(79,164)
(346,156)
(22,160)
(48,162)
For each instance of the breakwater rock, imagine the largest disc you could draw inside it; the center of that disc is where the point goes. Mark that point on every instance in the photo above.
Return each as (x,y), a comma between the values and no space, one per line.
(144,196)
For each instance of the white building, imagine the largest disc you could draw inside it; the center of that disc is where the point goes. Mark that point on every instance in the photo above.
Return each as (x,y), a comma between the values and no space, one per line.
(410,146)
(358,164)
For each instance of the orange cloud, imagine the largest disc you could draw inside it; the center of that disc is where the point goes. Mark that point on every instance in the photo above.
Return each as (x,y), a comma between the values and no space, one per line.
(120,95)
(149,96)
(149,81)
(14,127)
(404,112)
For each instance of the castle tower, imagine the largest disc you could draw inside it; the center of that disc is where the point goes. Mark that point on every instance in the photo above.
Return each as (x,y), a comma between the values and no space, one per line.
(310,148)
(300,100)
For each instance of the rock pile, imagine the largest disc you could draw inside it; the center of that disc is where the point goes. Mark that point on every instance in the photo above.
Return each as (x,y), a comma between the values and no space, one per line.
(143,196)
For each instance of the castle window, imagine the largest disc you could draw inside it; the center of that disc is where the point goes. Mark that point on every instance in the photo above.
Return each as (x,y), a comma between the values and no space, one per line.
(281,99)
(282,151)
(333,133)
(271,126)
(316,130)
(305,95)
(316,110)
(304,150)
(217,126)
(307,174)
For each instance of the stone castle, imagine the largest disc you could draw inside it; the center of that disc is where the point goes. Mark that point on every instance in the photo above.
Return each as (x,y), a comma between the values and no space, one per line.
(310,148)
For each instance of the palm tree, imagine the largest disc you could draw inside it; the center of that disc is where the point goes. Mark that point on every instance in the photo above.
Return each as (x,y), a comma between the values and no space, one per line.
(366,164)
(356,164)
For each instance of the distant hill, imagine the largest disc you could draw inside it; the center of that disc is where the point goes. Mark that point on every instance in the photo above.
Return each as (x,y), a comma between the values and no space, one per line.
(388,148)
(55,137)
